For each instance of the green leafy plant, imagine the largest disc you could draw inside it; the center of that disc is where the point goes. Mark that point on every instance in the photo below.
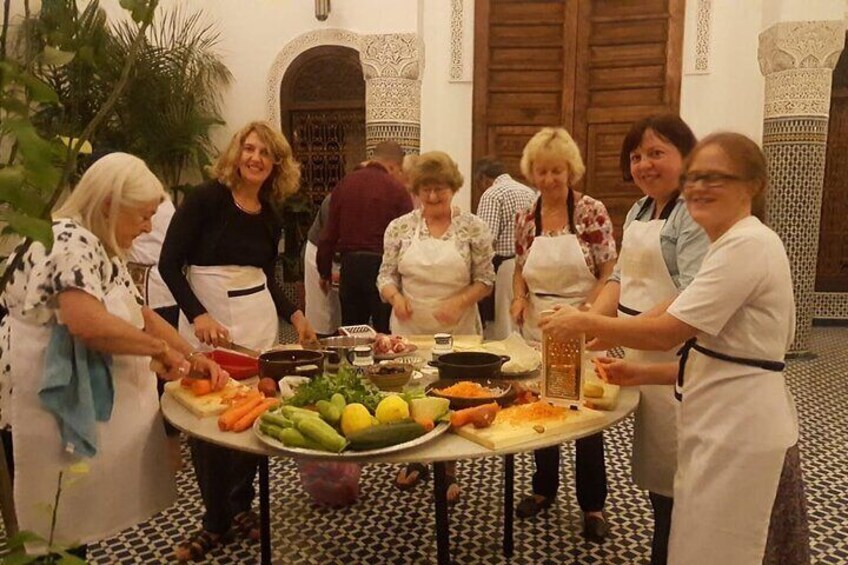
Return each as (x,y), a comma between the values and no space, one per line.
(37,165)
(55,553)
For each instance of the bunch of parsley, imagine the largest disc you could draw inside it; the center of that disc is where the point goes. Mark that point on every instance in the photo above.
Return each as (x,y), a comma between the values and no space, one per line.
(348,382)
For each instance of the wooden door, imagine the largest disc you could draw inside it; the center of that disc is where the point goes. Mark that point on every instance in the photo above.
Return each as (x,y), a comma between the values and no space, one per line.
(832,269)
(591,66)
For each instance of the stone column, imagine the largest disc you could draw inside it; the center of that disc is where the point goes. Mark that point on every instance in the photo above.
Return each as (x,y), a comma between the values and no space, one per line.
(392,67)
(797,60)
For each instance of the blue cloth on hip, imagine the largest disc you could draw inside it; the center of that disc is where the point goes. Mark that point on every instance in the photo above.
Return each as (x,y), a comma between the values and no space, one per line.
(77,389)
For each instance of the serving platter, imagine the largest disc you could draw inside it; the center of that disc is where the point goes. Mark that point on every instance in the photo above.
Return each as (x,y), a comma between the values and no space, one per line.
(440,428)
(410,347)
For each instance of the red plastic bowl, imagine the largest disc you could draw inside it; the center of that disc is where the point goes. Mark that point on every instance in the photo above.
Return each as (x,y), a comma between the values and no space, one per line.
(239,366)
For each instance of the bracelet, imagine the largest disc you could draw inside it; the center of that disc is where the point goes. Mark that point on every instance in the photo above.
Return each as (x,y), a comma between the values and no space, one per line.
(192,355)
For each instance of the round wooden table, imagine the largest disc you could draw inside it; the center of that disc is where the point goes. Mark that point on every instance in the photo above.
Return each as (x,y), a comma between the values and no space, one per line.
(447,447)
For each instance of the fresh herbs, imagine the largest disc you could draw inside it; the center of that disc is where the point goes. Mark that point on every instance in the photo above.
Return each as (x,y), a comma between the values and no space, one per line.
(347,382)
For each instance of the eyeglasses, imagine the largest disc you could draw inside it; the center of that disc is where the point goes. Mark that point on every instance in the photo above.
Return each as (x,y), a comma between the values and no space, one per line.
(434,190)
(710,180)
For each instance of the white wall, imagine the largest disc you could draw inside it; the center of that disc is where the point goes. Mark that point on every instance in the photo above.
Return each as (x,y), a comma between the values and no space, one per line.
(445,106)
(730,95)
(253,32)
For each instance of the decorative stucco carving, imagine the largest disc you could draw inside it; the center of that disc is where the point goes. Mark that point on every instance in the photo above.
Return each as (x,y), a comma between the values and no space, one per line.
(797,59)
(801,45)
(392,99)
(703,21)
(292,49)
(391,55)
(456,53)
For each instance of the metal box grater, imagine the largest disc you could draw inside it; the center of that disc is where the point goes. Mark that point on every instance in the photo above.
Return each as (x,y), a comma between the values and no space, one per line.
(562,370)
(358,331)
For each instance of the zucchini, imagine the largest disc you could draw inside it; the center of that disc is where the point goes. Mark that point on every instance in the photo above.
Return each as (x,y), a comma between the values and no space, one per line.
(385,435)
(321,432)
(329,411)
(276,419)
(290,411)
(338,400)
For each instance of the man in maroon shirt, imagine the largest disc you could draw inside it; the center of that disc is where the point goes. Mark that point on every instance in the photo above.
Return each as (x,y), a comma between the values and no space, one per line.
(363,204)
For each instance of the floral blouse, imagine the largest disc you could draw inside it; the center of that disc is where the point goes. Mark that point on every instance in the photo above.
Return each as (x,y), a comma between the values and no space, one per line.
(470,234)
(594,232)
(77,260)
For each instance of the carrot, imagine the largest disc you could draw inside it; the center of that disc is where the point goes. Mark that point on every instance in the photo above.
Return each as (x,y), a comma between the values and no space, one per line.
(477,414)
(247,420)
(185,382)
(201,386)
(236,411)
(599,367)
(426,423)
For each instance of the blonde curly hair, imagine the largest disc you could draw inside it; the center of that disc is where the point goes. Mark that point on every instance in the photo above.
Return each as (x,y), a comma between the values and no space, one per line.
(435,167)
(558,143)
(284,179)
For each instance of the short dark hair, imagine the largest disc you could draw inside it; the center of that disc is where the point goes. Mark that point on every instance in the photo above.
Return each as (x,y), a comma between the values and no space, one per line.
(389,150)
(669,127)
(489,167)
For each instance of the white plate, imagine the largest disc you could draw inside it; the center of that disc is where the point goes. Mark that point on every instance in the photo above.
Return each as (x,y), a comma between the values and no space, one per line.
(441,428)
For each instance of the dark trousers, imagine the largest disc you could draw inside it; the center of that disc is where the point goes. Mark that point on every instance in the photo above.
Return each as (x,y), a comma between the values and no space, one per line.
(662,506)
(358,294)
(591,472)
(225,478)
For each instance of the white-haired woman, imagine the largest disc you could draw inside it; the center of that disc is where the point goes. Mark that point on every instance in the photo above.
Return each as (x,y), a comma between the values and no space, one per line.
(564,252)
(77,345)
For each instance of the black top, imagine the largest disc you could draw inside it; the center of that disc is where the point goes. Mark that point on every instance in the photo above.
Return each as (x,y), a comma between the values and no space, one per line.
(208,229)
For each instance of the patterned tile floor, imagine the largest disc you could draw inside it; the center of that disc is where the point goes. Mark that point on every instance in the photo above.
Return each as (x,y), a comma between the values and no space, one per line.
(387,526)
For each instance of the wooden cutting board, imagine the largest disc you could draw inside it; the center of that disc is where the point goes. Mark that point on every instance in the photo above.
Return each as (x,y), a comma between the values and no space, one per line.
(501,435)
(210,404)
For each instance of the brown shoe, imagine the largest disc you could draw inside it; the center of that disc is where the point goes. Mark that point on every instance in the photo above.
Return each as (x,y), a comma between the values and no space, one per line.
(595,528)
(196,548)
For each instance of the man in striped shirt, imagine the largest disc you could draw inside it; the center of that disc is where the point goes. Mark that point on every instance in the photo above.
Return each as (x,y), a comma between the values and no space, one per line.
(502,199)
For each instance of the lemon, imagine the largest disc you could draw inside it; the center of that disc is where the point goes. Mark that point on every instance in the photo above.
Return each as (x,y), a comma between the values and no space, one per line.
(392,409)
(355,417)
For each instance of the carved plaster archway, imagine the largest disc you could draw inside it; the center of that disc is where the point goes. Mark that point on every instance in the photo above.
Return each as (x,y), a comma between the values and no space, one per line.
(391,64)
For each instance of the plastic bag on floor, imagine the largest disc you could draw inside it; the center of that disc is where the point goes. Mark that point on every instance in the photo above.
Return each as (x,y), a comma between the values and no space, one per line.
(332,484)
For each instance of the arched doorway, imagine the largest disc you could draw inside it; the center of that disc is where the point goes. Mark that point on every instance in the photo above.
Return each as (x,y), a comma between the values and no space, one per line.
(322,112)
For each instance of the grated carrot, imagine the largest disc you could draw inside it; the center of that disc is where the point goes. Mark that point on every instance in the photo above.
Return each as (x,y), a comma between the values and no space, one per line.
(533,412)
(468,389)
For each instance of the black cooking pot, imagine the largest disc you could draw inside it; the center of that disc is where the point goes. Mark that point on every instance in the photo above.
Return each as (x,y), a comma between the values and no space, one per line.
(469,365)
(300,362)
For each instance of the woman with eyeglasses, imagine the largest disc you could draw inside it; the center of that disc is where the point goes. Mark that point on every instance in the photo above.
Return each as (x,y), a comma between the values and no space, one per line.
(437,264)
(661,252)
(738,492)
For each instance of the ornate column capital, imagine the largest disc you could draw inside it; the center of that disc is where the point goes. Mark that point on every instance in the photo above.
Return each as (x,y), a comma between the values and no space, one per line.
(797,60)
(801,45)
(391,55)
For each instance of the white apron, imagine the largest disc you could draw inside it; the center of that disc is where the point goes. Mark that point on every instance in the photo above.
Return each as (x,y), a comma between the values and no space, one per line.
(323,311)
(556,273)
(129,479)
(501,327)
(239,299)
(431,271)
(645,282)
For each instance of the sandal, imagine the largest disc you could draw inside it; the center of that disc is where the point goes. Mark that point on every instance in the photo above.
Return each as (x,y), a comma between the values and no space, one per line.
(450,480)
(531,506)
(423,474)
(196,548)
(247,524)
